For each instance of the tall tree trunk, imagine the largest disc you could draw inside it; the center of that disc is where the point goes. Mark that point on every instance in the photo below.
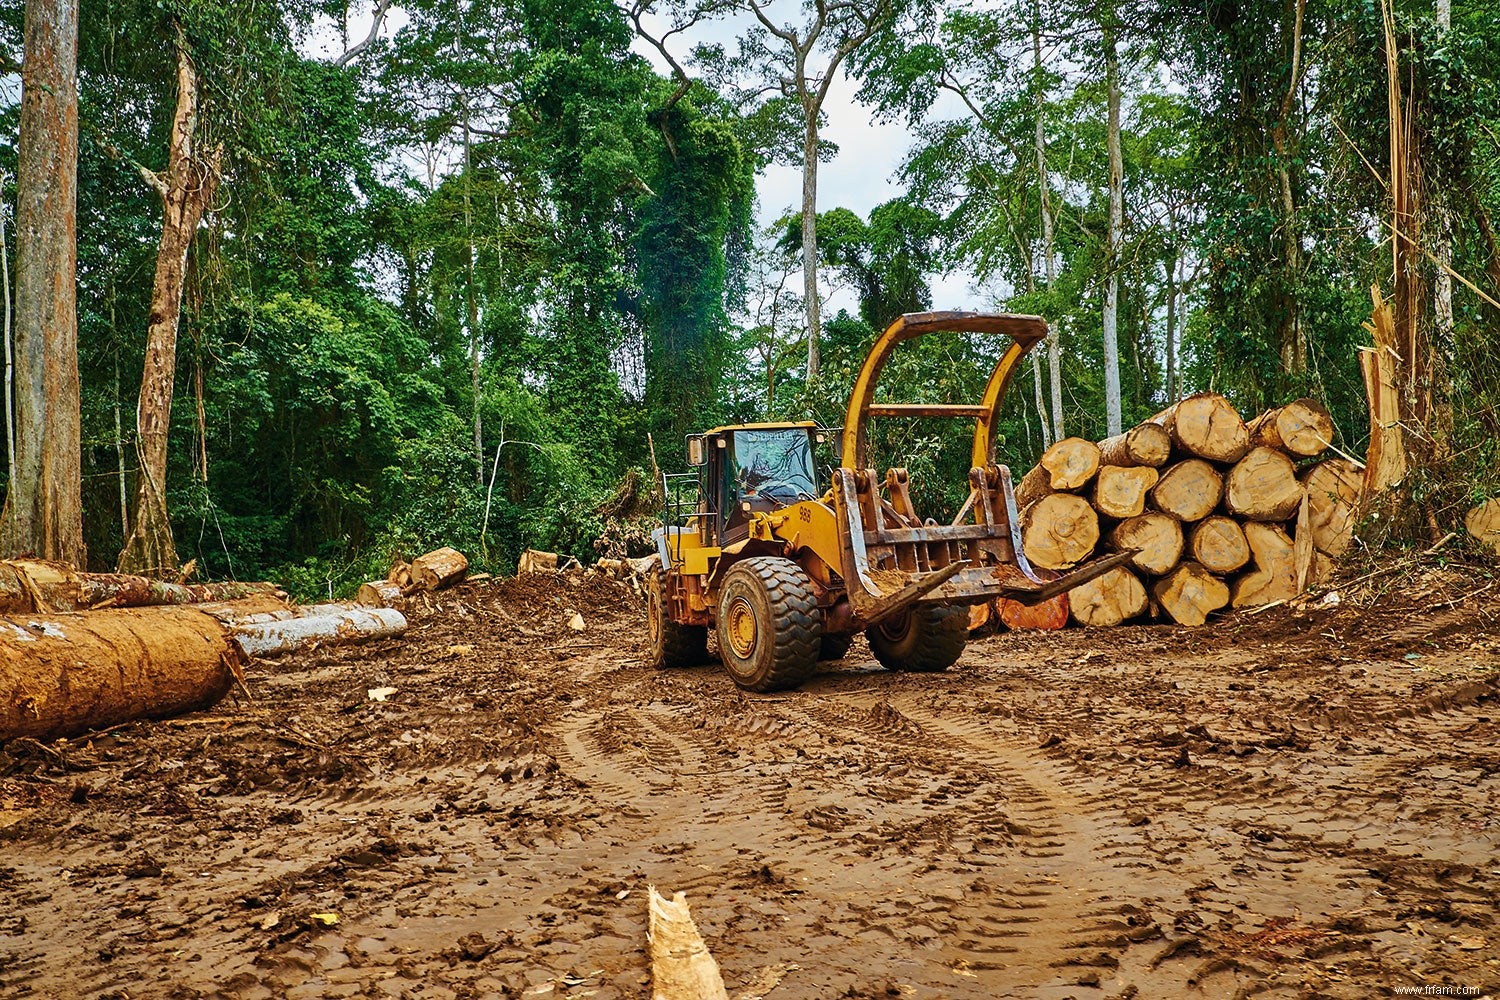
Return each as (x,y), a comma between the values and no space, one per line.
(44,510)
(1442,218)
(471,299)
(1293,336)
(1113,422)
(185,188)
(1172,317)
(810,234)
(10,406)
(1049,256)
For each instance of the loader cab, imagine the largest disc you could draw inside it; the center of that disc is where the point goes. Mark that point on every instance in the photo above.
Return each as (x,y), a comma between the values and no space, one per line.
(750,469)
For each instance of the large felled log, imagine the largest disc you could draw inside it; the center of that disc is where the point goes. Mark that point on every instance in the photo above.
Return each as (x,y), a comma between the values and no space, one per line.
(1263,486)
(1218,544)
(1274,577)
(1148,444)
(1482,523)
(1067,465)
(1333,491)
(1110,599)
(63,674)
(1189,490)
(1206,425)
(681,966)
(1190,593)
(1120,491)
(1049,615)
(536,561)
(1059,531)
(273,638)
(35,585)
(1156,537)
(438,569)
(380,594)
(1302,428)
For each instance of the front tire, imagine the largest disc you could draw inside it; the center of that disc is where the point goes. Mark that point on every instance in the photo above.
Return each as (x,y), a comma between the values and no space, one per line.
(770,628)
(671,644)
(835,647)
(928,638)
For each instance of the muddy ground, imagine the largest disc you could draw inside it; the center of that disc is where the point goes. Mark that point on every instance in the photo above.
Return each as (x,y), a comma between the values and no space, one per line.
(1299,803)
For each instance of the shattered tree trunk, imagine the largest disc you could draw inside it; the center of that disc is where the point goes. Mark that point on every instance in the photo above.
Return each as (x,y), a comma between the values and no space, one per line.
(65,674)
(681,966)
(44,510)
(186,188)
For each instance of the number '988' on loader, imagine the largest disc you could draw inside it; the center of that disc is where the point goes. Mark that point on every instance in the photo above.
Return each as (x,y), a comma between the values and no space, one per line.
(787,571)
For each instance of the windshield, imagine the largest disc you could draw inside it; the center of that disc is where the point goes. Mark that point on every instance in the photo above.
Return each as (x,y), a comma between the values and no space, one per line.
(774,464)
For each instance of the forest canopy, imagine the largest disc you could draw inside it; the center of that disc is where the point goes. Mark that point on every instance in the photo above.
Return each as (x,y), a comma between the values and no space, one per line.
(446,270)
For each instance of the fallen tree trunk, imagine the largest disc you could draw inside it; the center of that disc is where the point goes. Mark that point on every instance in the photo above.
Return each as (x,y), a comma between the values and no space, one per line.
(1206,425)
(535,561)
(1263,486)
(380,594)
(681,966)
(1060,531)
(1302,428)
(1190,593)
(1189,490)
(28,585)
(438,569)
(274,638)
(1147,444)
(62,675)
(1110,599)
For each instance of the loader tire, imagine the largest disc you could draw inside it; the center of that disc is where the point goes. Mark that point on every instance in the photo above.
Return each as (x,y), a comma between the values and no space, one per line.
(929,638)
(670,644)
(834,647)
(770,627)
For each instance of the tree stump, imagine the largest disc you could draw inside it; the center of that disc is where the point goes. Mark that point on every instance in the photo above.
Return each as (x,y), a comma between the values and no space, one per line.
(1120,491)
(1189,490)
(1189,593)
(1218,544)
(1156,537)
(1274,577)
(1263,486)
(1110,599)
(1302,428)
(1206,425)
(1333,491)
(1147,444)
(1059,531)
(438,569)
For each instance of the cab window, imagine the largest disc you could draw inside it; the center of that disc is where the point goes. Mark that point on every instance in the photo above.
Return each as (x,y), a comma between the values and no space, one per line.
(773,465)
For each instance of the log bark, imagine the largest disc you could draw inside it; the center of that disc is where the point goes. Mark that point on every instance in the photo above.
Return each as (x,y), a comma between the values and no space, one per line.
(1333,492)
(438,569)
(1067,465)
(1110,599)
(1207,426)
(28,585)
(1059,531)
(1482,524)
(1189,490)
(681,966)
(1274,577)
(274,638)
(43,513)
(1120,491)
(1263,486)
(380,594)
(1218,544)
(62,675)
(1157,538)
(1302,428)
(1189,594)
(1147,444)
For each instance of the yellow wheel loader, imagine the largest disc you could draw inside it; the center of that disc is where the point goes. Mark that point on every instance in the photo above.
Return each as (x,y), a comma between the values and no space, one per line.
(787,571)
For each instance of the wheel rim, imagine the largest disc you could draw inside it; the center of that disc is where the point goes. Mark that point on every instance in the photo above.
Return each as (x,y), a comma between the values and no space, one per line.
(896,629)
(653,616)
(742,630)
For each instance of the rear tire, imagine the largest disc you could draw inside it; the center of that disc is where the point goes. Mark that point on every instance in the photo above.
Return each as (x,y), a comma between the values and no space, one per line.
(928,638)
(770,628)
(671,644)
(835,647)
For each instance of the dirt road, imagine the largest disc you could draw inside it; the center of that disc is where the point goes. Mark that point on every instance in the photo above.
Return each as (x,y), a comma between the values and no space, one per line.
(1288,804)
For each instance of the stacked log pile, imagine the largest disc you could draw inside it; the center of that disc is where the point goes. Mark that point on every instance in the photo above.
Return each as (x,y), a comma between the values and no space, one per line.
(1219,512)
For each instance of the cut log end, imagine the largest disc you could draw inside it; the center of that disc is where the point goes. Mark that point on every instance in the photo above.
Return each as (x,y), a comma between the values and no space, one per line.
(1274,577)
(438,569)
(1206,425)
(1189,594)
(1263,486)
(1189,490)
(1302,429)
(1148,444)
(1156,537)
(1218,544)
(1060,531)
(1483,525)
(1120,491)
(1115,597)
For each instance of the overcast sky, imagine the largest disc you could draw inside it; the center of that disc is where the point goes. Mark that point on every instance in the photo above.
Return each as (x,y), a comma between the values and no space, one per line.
(861,176)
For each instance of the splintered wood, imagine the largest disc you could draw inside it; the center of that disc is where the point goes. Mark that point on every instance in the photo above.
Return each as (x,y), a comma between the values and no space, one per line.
(1216,512)
(681,966)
